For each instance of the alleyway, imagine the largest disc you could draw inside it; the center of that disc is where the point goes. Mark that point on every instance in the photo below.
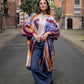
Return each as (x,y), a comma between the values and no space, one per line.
(68,63)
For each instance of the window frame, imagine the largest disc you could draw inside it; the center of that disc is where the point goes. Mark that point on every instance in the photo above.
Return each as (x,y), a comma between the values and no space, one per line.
(77,2)
(77,5)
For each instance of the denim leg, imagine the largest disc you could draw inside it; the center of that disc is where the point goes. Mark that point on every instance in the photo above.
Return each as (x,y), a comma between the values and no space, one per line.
(37,51)
(38,74)
(40,79)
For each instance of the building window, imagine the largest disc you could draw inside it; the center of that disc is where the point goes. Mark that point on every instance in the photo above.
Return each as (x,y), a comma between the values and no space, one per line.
(77,7)
(5,7)
(77,1)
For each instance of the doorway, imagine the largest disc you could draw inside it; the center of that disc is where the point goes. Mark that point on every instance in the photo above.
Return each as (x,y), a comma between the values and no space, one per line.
(83,23)
(17,18)
(69,23)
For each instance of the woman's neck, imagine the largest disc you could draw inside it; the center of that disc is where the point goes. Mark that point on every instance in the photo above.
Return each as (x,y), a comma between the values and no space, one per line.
(43,12)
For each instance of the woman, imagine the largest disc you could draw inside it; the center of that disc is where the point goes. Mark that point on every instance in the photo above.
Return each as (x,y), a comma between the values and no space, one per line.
(41,29)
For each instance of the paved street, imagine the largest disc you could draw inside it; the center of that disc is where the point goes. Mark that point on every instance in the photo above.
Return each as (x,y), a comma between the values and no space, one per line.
(68,63)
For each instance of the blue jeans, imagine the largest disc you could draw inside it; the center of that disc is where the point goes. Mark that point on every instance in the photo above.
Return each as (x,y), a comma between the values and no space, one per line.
(39,75)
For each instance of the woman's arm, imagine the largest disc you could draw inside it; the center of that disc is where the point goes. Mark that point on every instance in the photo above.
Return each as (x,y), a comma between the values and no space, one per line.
(54,28)
(26,26)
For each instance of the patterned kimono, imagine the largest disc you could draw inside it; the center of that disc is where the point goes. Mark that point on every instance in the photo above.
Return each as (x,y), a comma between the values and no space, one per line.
(50,26)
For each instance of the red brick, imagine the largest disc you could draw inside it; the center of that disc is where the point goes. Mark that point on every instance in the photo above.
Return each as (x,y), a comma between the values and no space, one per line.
(58,3)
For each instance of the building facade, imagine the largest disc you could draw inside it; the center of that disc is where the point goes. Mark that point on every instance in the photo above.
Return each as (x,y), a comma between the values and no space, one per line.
(21,16)
(73,14)
(58,3)
(7,14)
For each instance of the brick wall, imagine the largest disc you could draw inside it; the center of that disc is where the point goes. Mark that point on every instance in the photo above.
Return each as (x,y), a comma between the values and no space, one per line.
(11,7)
(77,23)
(82,7)
(69,7)
(8,21)
(58,3)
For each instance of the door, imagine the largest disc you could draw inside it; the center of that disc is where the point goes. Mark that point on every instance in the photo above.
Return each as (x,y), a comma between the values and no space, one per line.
(83,23)
(69,23)
(17,18)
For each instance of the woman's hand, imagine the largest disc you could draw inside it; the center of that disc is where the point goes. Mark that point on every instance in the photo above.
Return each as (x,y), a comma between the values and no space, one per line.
(36,37)
(45,35)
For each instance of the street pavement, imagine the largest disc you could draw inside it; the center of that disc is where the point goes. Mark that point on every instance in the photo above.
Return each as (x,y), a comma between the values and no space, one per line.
(68,60)
(76,37)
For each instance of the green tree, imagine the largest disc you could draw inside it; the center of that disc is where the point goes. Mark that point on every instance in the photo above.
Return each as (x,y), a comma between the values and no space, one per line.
(57,13)
(28,6)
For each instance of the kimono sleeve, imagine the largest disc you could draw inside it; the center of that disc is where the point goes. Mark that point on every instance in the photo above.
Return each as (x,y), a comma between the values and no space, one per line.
(54,28)
(27,24)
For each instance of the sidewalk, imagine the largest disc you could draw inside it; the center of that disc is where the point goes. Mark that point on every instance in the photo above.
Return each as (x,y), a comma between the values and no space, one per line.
(7,35)
(76,37)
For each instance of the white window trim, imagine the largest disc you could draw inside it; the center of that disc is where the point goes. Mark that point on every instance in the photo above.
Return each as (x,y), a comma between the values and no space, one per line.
(76,5)
(77,11)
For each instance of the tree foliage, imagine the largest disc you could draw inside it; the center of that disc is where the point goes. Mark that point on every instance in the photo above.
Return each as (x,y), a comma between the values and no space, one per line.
(28,6)
(58,13)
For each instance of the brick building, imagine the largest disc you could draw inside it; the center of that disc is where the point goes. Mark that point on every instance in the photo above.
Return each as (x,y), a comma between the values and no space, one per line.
(7,14)
(73,14)
(58,3)
(21,16)
(54,3)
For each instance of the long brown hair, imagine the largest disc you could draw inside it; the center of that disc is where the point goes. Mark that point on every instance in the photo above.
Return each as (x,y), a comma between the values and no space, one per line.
(38,11)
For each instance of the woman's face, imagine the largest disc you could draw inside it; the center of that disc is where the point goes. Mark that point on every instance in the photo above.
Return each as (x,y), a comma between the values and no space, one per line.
(43,5)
